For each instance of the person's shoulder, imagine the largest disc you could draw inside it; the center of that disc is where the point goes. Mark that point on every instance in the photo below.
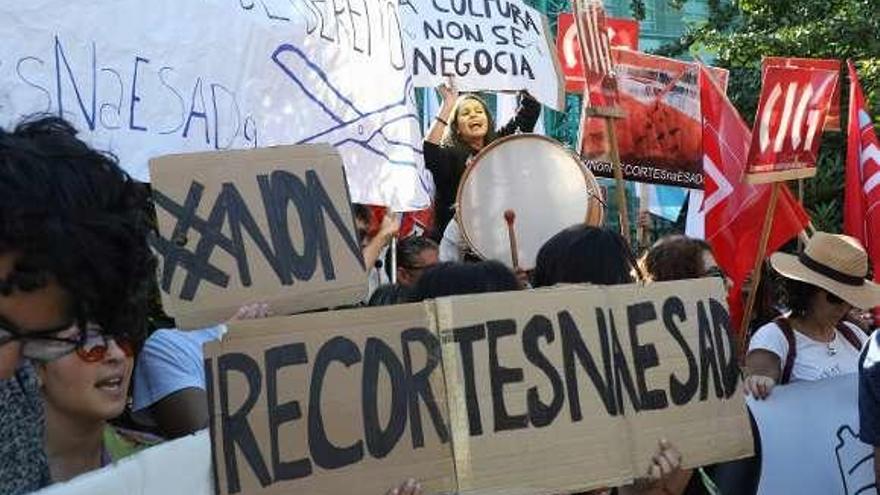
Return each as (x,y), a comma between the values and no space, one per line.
(174,337)
(769,336)
(768,329)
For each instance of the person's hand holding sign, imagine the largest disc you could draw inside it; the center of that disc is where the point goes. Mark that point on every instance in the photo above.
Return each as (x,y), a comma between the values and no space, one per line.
(759,386)
(409,487)
(664,475)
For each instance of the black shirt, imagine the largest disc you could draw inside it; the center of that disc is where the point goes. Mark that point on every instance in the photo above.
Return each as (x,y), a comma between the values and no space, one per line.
(447,164)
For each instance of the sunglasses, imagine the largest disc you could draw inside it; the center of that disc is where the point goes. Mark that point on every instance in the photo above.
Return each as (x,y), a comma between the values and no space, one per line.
(831,298)
(93,345)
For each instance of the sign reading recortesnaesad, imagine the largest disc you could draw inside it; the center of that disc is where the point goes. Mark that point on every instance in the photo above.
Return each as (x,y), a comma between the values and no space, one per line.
(495,46)
(271,225)
(589,378)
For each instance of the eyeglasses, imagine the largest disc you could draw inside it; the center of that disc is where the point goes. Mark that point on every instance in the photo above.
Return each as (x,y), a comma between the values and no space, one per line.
(39,345)
(90,345)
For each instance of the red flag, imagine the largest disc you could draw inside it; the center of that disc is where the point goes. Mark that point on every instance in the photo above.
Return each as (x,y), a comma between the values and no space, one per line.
(791,115)
(734,209)
(861,219)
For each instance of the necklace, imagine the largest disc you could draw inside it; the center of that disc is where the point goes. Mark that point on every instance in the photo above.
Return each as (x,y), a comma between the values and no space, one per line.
(832,349)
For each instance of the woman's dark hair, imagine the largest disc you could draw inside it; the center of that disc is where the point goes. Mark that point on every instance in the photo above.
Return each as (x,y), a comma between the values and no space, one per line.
(452,136)
(451,279)
(583,254)
(389,294)
(408,251)
(675,257)
(799,296)
(72,214)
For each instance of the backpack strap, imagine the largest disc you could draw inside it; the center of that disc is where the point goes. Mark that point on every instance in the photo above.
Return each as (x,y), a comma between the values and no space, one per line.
(788,332)
(850,335)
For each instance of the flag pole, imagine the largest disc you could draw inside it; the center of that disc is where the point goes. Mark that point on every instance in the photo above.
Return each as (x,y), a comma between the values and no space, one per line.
(608,115)
(756,270)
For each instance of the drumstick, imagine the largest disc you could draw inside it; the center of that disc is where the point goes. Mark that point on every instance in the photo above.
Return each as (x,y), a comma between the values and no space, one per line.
(510,217)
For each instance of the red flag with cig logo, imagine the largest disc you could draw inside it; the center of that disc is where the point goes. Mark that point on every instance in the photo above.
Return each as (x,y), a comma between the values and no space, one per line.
(735,209)
(622,33)
(788,128)
(861,215)
(832,121)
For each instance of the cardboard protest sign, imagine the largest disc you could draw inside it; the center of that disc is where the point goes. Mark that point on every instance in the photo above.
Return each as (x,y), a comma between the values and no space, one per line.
(348,402)
(179,466)
(660,137)
(267,225)
(494,46)
(622,33)
(564,390)
(788,128)
(813,424)
(832,120)
(538,392)
(181,77)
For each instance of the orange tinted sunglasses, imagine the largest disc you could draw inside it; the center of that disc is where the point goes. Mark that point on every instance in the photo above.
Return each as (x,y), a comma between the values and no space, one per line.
(94,345)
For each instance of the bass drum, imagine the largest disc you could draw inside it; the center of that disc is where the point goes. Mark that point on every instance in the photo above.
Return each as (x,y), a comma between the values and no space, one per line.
(546,185)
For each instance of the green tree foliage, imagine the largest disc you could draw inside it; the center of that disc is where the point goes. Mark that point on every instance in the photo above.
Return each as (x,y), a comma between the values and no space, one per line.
(740,33)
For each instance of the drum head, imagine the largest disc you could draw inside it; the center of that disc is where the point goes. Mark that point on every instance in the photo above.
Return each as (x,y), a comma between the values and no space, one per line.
(544,184)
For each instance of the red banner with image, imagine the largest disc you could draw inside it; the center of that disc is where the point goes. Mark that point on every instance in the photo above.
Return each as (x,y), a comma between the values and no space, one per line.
(659,138)
(622,33)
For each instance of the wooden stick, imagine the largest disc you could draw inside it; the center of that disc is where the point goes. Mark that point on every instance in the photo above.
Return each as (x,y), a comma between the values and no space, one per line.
(510,217)
(618,180)
(394,259)
(643,231)
(800,196)
(756,271)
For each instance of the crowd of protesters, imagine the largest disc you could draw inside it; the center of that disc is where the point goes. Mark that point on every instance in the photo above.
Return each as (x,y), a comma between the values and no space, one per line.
(82,384)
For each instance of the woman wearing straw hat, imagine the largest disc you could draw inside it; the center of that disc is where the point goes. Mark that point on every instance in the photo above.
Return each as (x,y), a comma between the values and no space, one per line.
(813,342)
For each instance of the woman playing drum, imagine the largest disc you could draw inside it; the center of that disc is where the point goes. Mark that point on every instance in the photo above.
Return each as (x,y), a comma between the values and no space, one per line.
(462,128)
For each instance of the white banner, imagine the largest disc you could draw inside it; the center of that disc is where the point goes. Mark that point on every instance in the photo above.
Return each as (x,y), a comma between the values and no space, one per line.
(487,45)
(146,79)
(809,440)
(181,466)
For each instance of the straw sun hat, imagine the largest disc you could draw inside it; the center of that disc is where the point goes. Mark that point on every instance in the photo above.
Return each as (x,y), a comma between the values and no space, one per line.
(836,263)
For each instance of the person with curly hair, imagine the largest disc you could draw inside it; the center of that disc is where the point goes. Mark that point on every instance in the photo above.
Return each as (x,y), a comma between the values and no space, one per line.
(74,269)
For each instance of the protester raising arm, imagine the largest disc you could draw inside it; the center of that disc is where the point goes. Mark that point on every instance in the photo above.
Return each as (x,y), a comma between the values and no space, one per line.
(441,122)
(372,250)
(464,127)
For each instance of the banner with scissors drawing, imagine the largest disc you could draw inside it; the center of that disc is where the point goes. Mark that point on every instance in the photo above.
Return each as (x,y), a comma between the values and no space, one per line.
(178,76)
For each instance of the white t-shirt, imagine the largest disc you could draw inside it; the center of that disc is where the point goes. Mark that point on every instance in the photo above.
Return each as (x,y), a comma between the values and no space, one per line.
(814,360)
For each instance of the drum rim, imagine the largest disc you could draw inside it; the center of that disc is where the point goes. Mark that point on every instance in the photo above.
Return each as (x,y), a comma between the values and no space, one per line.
(476,160)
